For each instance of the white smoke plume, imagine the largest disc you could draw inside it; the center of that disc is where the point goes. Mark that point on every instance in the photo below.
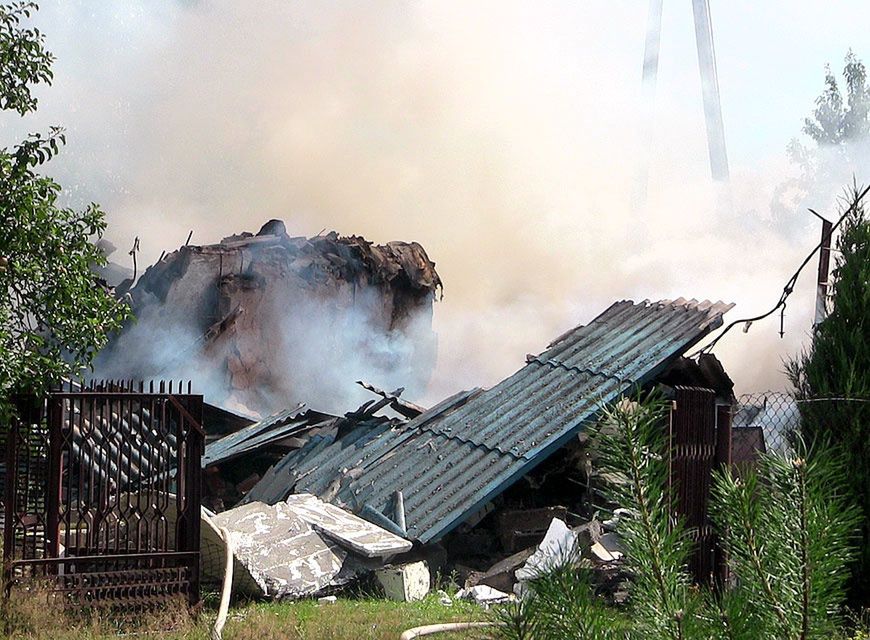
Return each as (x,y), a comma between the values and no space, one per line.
(501,136)
(280,353)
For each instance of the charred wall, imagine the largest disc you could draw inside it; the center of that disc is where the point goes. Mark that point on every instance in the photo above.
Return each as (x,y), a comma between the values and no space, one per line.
(263,321)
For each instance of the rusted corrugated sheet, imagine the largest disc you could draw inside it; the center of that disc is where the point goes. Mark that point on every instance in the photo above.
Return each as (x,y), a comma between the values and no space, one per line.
(455,458)
(693,453)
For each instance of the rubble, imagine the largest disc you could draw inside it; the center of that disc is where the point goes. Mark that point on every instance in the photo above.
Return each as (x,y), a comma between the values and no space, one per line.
(278,554)
(396,403)
(502,575)
(558,546)
(500,474)
(294,549)
(461,458)
(256,436)
(404,582)
(349,531)
(484,594)
(240,467)
(507,497)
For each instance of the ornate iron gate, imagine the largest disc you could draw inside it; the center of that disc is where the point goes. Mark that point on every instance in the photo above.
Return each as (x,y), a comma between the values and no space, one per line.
(102,494)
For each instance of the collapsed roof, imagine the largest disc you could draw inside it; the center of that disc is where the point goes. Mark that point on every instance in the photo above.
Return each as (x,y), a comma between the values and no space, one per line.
(455,458)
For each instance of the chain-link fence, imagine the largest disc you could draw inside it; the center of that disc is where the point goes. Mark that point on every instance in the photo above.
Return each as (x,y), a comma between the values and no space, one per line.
(765,422)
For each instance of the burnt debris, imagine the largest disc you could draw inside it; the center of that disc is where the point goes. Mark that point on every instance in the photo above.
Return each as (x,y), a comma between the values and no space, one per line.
(262,321)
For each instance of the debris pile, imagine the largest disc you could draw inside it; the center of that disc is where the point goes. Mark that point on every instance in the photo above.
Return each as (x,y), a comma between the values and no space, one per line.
(455,462)
(260,321)
(494,485)
(295,548)
(246,459)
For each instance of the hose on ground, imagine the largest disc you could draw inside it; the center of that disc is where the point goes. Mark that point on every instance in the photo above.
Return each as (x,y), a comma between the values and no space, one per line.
(432,629)
(226,588)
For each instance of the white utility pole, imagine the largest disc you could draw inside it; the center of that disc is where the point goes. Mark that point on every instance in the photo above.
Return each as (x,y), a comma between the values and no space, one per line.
(709,88)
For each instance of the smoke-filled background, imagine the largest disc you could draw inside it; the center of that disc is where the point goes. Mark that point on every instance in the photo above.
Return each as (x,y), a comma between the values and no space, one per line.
(502,136)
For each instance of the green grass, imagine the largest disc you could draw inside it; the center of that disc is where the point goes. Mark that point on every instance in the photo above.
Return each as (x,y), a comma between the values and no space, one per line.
(350,618)
(346,618)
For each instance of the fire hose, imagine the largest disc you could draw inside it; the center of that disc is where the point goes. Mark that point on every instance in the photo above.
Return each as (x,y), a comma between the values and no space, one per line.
(432,629)
(226,588)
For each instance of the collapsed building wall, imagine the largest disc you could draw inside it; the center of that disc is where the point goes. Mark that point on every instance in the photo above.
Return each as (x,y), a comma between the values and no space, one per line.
(261,322)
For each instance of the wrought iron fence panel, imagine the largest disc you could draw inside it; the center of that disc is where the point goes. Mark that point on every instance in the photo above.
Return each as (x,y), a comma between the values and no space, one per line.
(103,493)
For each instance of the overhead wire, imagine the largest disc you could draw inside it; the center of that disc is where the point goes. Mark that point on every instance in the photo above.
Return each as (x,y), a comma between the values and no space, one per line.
(790,284)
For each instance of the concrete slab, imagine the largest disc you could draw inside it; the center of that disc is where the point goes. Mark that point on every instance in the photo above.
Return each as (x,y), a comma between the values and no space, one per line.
(350,531)
(281,554)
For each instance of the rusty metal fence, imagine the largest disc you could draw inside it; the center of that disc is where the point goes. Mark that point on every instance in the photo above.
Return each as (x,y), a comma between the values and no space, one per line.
(700,429)
(102,494)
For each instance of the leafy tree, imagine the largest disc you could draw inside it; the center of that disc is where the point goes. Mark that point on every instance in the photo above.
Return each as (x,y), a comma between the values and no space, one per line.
(837,365)
(839,127)
(835,120)
(54,315)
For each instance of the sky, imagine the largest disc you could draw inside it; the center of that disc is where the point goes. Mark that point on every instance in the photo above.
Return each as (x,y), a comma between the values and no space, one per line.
(502,136)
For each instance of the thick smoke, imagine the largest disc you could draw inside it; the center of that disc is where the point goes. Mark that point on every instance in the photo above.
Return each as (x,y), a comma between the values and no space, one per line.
(288,352)
(500,136)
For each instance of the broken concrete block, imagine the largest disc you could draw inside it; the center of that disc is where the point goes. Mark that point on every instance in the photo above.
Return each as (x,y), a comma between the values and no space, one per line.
(404,582)
(279,552)
(348,530)
(501,575)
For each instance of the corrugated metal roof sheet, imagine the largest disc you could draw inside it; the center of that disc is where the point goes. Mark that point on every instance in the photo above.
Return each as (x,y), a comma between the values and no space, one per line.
(455,458)
(261,434)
